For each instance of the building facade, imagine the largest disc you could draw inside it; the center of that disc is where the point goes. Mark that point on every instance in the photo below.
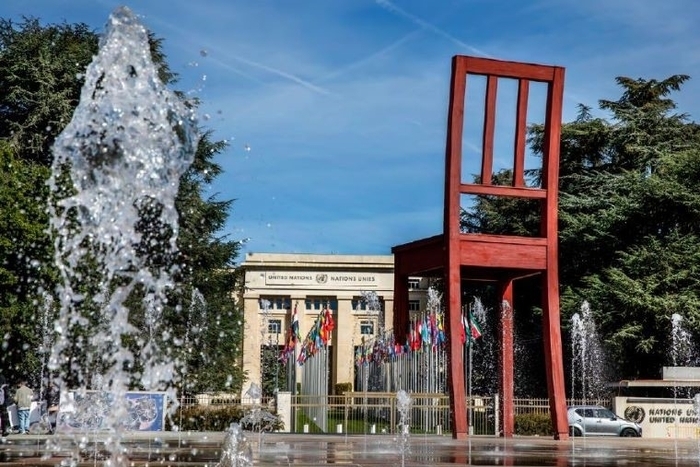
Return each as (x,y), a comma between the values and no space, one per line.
(279,285)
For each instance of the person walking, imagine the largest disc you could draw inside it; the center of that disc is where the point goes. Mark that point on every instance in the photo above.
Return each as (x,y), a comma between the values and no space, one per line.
(23,399)
(53,399)
(5,402)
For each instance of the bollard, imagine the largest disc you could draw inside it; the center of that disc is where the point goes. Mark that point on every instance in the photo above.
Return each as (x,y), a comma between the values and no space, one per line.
(373,428)
(438,430)
(306,427)
(339,428)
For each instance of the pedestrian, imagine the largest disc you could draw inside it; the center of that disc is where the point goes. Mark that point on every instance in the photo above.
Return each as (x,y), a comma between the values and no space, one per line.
(53,395)
(23,399)
(5,402)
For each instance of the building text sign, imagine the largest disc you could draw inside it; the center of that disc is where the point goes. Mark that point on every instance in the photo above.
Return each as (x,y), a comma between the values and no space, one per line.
(661,418)
(322,279)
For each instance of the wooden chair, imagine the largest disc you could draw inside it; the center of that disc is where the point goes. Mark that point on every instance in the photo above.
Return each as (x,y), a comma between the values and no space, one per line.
(459,256)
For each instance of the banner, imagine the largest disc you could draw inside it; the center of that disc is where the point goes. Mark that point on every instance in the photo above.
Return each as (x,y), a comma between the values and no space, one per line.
(90,411)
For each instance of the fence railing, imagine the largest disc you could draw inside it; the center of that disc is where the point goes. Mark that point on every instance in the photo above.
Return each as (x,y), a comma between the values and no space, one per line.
(378,413)
(541,406)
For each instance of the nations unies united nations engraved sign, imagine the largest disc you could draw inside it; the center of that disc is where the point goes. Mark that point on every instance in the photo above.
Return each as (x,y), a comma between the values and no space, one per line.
(322,279)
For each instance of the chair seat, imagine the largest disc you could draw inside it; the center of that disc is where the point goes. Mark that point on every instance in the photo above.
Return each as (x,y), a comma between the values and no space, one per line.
(506,256)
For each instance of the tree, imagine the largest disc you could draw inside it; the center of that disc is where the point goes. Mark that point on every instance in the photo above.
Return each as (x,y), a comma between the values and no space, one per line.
(209,270)
(40,82)
(24,248)
(41,74)
(629,221)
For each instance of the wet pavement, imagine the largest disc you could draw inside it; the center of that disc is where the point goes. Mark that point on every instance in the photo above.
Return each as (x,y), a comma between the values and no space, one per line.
(278,449)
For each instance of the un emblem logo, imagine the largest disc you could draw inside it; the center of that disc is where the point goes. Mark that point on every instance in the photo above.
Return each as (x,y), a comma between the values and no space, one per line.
(634,413)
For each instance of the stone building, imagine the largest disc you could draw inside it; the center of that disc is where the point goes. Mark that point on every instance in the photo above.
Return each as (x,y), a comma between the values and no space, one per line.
(277,284)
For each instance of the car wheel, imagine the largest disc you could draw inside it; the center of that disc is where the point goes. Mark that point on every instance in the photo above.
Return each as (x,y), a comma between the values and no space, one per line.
(574,431)
(628,433)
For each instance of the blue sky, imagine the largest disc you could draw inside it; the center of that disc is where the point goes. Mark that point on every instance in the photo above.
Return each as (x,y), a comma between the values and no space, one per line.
(335,110)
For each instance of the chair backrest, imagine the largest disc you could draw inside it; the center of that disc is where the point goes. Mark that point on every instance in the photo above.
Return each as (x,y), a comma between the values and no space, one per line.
(524,73)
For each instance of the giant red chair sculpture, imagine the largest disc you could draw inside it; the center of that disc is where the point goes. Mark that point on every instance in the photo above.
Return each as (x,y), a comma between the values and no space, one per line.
(503,259)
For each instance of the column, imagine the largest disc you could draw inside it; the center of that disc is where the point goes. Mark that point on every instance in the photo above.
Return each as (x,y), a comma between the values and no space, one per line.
(346,326)
(251,341)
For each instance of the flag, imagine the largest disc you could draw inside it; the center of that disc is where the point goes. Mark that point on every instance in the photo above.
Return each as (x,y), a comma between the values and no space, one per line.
(330,324)
(474,328)
(425,333)
(441,329)
(326,325)
(295,335)
(416,341)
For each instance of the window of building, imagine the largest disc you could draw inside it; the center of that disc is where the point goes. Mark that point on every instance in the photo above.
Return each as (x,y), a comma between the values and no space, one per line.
(367,328)
(274,326)
(414,305)
(275,303)
(413,284)
(319,303)
(359,304)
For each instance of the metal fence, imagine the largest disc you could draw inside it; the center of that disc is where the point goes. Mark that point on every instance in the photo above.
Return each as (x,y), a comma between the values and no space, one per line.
(377,412)
(541,406)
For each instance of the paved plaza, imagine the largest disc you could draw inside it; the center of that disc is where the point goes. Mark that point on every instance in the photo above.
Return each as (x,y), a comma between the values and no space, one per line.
(277,449)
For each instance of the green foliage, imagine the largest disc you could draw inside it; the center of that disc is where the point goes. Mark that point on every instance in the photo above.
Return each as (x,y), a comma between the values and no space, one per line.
(533,424)
(24,250)
(40,81)
(207,267)
(274,373)
(628,223)
(342,388)
(632,205)
(41,68)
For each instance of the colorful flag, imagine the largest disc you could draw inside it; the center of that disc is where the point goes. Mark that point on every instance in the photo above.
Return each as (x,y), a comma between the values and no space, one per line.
(425,333)
(330,323)
(463,329)
(296,336)
(417,342)
(475,329)
(293,337)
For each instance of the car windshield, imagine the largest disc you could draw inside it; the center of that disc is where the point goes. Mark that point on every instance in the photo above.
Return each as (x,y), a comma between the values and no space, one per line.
(595,413)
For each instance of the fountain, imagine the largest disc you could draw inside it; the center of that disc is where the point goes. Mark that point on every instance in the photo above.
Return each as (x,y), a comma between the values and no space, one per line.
(403,405)
(588,366)
(117,163)
(236,449)
(115,176)
(682,346)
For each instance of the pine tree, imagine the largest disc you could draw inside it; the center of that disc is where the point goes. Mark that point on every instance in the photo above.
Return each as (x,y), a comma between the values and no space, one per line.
(41,68)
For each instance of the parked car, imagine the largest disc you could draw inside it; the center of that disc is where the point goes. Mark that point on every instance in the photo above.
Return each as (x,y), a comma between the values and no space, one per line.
(594,420)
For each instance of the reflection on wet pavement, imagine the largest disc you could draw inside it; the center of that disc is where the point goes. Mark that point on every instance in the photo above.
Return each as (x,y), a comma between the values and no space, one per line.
(204,449)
